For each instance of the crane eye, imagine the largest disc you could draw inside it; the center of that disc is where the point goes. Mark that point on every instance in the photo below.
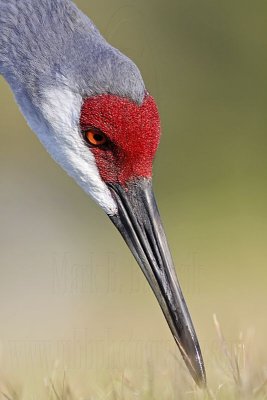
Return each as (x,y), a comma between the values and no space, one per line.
(95,137)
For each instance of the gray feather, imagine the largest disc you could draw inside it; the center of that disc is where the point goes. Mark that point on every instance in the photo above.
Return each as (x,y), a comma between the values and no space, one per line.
(44,43)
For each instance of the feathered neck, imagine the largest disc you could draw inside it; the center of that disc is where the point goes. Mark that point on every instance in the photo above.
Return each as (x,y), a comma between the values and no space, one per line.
(48,43)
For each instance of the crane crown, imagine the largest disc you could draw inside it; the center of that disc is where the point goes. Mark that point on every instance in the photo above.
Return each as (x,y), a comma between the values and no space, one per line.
(127,133)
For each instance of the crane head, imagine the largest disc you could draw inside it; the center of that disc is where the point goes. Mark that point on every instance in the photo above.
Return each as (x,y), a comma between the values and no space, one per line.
(88,105)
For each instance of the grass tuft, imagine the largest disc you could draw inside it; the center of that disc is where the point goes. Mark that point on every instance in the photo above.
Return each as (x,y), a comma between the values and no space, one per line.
(235,377)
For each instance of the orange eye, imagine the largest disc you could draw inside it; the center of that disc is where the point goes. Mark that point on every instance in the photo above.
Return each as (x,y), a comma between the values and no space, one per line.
(95,137)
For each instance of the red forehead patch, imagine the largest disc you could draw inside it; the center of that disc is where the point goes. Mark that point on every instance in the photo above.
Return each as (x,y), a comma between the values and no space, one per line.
(133,131)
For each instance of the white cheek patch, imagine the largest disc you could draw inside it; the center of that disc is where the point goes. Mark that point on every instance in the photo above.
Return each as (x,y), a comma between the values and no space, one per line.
(59,133)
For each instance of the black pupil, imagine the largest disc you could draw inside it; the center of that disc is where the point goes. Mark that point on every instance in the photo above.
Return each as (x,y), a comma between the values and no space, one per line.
(98,137)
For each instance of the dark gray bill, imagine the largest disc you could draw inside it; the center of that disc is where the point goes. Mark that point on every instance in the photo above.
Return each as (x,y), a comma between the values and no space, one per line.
(138,221)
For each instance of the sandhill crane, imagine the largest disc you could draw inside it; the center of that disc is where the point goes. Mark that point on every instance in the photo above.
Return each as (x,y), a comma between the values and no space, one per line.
(89,107)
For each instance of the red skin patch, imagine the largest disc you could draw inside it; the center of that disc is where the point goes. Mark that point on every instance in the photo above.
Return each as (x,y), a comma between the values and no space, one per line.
(133,131)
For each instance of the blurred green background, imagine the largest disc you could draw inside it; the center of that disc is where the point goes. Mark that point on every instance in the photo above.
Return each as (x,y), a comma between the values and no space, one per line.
(69,288)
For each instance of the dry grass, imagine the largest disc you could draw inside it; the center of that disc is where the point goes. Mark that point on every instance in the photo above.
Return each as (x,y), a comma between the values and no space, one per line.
(234,377)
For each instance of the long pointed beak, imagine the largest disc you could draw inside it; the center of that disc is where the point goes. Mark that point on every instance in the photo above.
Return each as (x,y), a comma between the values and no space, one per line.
(138,221)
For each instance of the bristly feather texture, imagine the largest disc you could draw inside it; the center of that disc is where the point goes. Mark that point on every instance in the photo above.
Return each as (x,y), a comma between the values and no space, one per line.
(53,57)
(133,130)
